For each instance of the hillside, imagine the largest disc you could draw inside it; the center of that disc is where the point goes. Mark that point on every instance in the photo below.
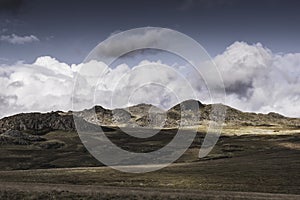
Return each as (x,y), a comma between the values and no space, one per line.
(142,115)
(255,153)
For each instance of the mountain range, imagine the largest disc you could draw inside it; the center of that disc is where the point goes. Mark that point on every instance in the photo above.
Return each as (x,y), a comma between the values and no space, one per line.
(141,115)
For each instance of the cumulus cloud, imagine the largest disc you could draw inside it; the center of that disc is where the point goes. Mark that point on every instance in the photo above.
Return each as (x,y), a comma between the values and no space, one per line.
(48,84)
(258,80)
(148,82)
(255,79)
(15,39)
(41,86)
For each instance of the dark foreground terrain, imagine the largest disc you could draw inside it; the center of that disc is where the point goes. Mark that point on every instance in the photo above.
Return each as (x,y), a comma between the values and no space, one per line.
(256,157)
(57,166)
(67,191)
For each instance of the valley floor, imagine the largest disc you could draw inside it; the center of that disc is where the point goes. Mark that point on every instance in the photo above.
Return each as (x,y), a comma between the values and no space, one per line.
(15,190)
(239,167)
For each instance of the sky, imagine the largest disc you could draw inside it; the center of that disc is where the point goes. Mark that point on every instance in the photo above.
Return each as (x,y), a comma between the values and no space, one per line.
(68,30)
(43,44)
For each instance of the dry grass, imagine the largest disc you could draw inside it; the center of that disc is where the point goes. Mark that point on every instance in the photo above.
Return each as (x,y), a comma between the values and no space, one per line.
(245,163)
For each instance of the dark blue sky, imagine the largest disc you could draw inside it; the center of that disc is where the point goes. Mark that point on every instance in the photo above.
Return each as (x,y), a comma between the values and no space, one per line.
(68,30)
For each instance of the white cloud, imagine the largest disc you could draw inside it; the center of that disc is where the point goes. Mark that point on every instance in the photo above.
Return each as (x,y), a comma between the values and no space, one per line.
(15,39)
(258,80)
(148,82)
(255,80)
(35,87)
(47,85)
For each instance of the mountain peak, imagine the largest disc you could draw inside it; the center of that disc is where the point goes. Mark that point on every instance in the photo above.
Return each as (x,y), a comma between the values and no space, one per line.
(190,104)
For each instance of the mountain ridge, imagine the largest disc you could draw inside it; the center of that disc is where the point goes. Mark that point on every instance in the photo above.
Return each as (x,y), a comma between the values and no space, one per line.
(141,115)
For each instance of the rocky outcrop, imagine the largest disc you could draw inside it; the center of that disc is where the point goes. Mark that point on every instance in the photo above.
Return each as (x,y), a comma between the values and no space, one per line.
(189,113)
(38,123)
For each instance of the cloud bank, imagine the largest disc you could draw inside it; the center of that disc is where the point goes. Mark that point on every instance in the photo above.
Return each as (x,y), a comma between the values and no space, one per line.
(15,39)
(258,80)
(255,79)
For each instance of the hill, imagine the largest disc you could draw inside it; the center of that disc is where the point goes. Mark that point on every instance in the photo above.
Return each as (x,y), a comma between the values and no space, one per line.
(190,112)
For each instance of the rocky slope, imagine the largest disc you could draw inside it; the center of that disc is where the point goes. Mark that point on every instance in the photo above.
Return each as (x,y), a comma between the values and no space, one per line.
(189,112)
(38,123)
